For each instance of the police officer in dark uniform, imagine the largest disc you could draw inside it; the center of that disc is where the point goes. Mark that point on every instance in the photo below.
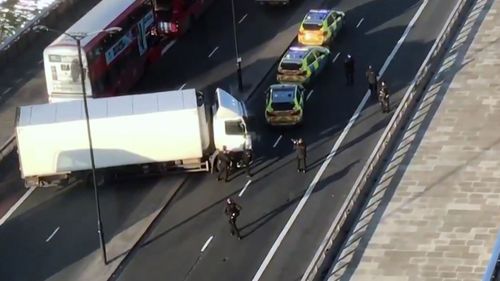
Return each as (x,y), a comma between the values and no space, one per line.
(383,97)
(301,149)
(224,164)
(247,158)
(371,76)
(349,70)
(232,211)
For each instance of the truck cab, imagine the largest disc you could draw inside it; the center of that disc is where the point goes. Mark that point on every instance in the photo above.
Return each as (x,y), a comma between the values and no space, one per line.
(229,123)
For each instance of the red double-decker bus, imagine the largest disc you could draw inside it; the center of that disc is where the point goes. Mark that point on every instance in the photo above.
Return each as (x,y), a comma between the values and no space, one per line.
(113,63)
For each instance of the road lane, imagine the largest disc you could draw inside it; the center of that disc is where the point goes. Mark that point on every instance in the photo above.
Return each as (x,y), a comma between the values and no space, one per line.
(276,189)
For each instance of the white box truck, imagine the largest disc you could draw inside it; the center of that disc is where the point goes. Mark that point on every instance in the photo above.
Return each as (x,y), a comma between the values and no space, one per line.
(155,132)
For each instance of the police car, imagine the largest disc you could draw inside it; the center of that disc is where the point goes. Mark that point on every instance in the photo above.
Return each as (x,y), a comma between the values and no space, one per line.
(284,104)
(300,64)
(319,27)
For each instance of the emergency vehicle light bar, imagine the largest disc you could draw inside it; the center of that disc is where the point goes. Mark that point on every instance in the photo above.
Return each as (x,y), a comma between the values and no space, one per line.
(298,49)
(319,11)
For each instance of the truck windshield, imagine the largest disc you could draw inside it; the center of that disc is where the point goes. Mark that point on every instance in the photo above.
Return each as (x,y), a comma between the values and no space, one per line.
(235,127)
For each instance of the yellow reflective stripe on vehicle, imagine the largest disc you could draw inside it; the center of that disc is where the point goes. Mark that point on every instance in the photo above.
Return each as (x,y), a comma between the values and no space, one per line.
(316,64)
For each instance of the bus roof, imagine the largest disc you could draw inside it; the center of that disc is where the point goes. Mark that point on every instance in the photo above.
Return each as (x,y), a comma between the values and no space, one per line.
(98,18)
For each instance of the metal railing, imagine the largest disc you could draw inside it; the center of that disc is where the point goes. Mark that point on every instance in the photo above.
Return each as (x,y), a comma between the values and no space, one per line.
(17,43)
(342,223)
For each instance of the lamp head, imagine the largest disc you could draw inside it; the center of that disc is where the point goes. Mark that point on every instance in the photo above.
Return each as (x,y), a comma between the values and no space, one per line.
(112,30)
(38,28)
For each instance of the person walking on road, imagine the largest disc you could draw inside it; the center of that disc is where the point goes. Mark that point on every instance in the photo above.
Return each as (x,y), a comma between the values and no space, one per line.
(371,76)
(383,97)
(224,164)
(349,70)
(247,161)
(301,149)
(232,211)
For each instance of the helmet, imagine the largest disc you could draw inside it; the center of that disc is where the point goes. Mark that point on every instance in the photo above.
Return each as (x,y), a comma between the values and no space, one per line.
(370,67)
(300,140)
(348,56)
(229,201)
(382,84)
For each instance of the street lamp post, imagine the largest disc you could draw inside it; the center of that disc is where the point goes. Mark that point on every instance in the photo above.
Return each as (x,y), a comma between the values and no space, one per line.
(238,58)
(78,37)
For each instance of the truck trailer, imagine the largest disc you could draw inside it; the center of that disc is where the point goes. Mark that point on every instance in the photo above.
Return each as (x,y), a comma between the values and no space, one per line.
(144,133)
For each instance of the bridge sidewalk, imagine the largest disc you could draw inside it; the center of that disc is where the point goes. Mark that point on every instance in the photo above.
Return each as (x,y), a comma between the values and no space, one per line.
(435,211)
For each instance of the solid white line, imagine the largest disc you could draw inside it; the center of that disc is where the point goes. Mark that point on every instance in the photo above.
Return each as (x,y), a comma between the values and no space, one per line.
(52,235)
(206,243)
(243,18)
(15,206)
(277,141)
(359,23)
(182,87)
(6,91)
(336,57)
(245,187)
(403,37)
(213,52)
(332,153)
(169,45)
(309,95)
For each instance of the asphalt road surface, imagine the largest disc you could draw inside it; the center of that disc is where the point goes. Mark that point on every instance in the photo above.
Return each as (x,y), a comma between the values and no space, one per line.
(173,249)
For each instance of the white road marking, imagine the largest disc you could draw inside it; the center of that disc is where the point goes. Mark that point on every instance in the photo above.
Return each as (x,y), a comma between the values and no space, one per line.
(182,87)
(52,235)
(309,94)
(332,153)
(213,52)
(336,57)
(243,18)
(359,23)
(206,244)
(245,188)
(277,141)
(18,80)
(169,45)
(6,91)
(15,206)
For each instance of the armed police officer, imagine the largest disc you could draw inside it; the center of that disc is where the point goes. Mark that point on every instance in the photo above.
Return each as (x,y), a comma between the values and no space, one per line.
(232,211)
(383,97)
(371,76)
(349,70)
(247,159)
(301,149)
(224,164)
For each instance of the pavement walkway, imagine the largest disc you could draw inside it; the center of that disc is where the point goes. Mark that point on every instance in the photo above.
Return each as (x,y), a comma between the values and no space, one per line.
(434,214)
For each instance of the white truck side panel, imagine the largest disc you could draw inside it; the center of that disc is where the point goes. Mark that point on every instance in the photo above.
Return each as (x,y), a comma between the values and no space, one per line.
(52,138)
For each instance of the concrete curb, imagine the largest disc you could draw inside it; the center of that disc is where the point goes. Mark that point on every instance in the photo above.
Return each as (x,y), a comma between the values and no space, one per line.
(7,147)
(121,265)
